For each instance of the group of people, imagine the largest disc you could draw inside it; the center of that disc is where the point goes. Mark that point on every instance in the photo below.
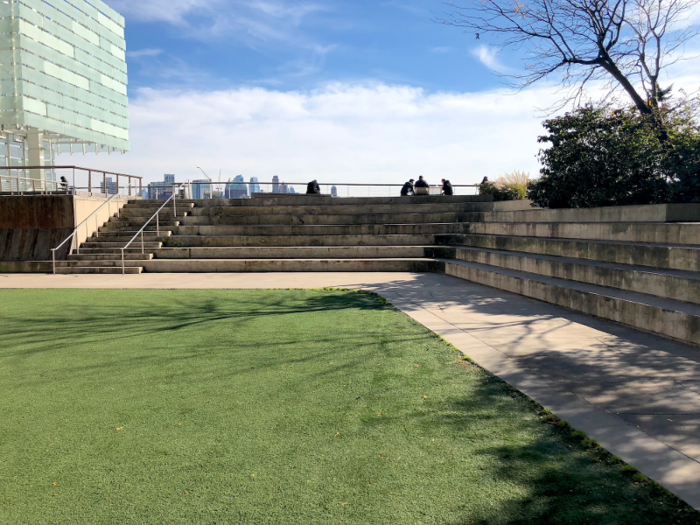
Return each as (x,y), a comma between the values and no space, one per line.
(420,187)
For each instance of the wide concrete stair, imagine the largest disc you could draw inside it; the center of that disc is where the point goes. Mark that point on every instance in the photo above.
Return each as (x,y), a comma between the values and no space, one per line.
(641,274)
(278,234)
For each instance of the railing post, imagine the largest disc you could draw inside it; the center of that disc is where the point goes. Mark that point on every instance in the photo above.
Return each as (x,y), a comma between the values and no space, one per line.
(117,184)
(143,245)
(123,263)
(104,183)
(89,181)
(53,253)
(174,202)
(158,224)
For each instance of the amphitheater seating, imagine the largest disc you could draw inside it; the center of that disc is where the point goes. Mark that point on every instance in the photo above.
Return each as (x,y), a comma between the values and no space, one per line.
(639,266)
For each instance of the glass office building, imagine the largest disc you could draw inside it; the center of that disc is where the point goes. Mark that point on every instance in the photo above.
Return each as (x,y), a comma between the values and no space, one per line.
(63,81)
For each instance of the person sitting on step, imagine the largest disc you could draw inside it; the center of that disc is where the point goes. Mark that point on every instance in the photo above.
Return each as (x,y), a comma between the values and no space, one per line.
(447,187)
(313,188)
(422,186)
(408,189)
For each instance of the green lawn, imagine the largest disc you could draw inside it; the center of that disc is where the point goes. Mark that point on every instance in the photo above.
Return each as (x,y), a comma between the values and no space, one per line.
(277,407)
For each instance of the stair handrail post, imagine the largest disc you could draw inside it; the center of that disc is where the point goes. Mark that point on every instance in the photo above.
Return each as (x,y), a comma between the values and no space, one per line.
(157,225)
(143,245)
(53,254)
(141,231)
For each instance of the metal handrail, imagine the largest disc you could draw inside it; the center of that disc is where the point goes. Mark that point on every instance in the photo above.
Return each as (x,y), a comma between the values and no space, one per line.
(156,216)
(72,235)
(133,181)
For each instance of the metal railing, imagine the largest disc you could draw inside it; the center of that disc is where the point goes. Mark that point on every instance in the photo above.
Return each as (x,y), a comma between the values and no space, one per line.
(156,216)
(14,181)
(244,190)
(108,203)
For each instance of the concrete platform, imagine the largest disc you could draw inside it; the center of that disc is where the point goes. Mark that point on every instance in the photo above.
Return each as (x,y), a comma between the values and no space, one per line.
(637,394)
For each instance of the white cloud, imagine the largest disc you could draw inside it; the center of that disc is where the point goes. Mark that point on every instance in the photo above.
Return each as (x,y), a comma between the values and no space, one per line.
(141,53)
(489,57)
(341,133)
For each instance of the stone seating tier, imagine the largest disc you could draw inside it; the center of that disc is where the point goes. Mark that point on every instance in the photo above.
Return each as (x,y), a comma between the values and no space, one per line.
(639,266)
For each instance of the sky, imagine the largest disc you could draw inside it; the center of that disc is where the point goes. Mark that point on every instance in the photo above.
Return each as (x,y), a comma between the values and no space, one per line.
(348,90)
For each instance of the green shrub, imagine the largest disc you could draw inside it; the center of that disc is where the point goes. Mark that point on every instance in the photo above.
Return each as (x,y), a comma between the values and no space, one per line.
(598,157)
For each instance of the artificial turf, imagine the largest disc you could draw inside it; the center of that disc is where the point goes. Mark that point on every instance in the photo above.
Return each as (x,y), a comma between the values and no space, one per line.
(277,407)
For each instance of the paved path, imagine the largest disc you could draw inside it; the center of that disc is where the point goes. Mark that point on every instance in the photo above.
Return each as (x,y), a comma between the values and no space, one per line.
(637,394)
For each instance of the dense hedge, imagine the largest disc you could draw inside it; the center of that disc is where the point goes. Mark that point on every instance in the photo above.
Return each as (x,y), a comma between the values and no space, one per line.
(599,157)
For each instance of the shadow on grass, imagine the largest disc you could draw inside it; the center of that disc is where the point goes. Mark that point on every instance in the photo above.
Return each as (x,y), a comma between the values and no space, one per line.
(76,324)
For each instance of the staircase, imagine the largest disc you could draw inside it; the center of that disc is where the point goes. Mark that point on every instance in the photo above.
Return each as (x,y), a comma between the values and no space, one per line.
(641,274)
(606,262)
(279,234)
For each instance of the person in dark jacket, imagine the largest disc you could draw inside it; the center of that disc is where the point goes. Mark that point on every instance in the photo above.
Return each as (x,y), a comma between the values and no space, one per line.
(422,186)
(408,189)
(447,187)
(313,188)
(422,183)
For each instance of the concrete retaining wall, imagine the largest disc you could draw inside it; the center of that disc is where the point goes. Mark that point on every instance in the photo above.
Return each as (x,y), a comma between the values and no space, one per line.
(30,226)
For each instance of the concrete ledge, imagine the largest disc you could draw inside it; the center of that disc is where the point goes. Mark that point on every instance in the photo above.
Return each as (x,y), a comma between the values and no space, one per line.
(649,213)
(290,265)
(652,255)
(644,232)
(668,284)
(674,324)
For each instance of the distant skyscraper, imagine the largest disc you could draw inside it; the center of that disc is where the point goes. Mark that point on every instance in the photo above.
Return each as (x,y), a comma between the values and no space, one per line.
(237,191)
(275,184)
(201,191)
(111,188)
(254,186)
(161,190)
(292,190)
(334,191)
(283,188)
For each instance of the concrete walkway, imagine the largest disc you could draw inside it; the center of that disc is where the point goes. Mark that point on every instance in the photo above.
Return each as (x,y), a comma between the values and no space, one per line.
(637,394)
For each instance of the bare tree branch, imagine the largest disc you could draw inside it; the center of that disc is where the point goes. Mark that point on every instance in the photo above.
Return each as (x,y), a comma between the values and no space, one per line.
(581,41)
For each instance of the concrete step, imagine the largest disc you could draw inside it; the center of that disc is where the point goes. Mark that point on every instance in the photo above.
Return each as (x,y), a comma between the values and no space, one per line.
(104,263)
(97,270)
(292,265)
(131,233)
(120,244)
(661,233)
(154,205)
(131,223)
(304,200)
(143,213)
(298,252)
(348,209)
(109,237)
(112,252)
(667,256)
(671,284)
(674,319)
(294,218)
(181,241)
(363,229)
(110,256)
(116,228)
(644,213)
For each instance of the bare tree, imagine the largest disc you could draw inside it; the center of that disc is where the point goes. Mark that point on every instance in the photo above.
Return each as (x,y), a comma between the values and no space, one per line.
(627,43)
